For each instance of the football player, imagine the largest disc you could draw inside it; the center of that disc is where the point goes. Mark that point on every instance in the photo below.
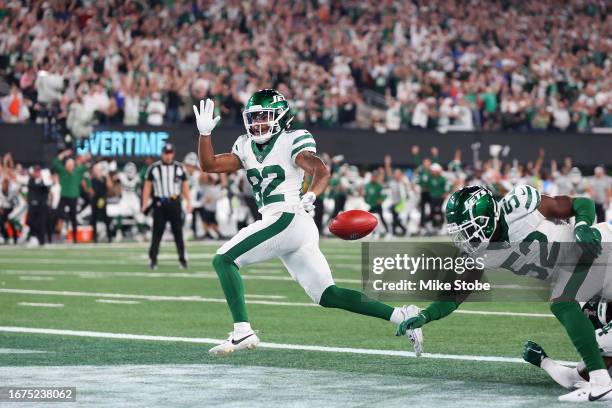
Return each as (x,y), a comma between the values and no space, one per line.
(524,216)
(275,159)
(129,203)
(598,312)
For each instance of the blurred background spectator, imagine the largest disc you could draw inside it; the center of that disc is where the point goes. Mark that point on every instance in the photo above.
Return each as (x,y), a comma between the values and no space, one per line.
(379,64)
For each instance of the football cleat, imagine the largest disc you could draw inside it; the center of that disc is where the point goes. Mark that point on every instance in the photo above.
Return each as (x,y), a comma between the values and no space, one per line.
(236,342)
(534,353)
(589,393)
(415,335)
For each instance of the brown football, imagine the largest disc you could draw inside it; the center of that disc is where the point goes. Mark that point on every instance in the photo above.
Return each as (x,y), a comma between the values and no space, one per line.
(353,224)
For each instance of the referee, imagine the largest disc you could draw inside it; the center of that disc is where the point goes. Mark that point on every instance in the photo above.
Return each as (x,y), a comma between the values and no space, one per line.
(167,180)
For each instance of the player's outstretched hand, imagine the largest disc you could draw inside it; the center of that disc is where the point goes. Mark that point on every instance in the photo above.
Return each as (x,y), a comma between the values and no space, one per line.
(307,202)
(589,239)
(410,324)
(204,117)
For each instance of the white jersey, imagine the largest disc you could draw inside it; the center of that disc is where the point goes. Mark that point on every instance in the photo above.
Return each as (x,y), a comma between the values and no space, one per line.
(525,228)
(129,185)
(271,169)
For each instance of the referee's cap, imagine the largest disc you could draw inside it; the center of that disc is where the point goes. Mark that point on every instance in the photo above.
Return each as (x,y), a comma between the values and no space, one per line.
(168,148)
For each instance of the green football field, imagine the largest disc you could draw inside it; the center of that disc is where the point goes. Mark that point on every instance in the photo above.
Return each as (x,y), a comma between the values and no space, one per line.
(97,318)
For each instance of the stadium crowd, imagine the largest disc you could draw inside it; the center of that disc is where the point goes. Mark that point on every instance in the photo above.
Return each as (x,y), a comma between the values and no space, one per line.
(39,205)
(480,64)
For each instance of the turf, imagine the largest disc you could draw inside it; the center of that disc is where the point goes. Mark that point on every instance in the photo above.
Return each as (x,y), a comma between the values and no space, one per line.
(172,302)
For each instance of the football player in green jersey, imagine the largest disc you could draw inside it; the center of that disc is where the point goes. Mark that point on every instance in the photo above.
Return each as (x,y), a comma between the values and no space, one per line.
(276,159)
(524,216)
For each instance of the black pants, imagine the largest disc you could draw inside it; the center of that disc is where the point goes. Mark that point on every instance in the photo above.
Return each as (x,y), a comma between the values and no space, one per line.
(425,199)
(437,218)
(37,220)
(68,208)
(318,215)
(396,222)
(99,214)
(339,202)
(377,209)
(252,204)
(163,212)
(600,211)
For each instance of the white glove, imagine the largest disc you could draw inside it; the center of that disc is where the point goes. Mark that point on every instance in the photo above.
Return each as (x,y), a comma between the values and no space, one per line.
(204,118)
(307,202)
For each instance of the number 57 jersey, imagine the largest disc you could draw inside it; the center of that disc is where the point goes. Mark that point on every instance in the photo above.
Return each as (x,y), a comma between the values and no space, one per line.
(271,169)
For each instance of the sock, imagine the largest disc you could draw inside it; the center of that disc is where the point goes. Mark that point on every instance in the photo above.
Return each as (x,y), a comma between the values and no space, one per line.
(566,377)
(232,286)
(397,316)
(242,327)
(580,331)
(600,377)
(355,302)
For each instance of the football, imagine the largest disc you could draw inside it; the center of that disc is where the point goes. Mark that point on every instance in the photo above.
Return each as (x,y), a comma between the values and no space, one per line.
(353,224)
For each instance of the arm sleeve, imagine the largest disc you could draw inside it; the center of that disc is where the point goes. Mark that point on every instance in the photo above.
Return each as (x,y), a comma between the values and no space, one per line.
(57,165)
(439,309)
(237,151)
(584,210)
(302,141)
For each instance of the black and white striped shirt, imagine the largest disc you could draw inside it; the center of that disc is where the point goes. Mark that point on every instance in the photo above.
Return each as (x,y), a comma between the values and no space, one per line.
(167,179)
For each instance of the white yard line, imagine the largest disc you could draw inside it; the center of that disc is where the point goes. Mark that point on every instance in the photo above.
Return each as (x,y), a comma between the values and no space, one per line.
(279,346)
(121,302)
(198,275)
(146,297)
(36,278)
(33,304)
(20,351)
(221,300)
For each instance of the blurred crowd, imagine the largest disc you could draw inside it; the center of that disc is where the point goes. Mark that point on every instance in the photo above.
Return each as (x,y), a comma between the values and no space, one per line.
(41,205)
(462,65)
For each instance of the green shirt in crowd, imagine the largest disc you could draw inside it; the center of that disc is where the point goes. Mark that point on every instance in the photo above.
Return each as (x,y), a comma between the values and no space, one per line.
(373,194)
(437,186)
(70,183)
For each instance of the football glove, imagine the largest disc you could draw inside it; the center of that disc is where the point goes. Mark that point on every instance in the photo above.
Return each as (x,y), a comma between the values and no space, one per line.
(204,118)
(412,323)
(589,239)
(307,202)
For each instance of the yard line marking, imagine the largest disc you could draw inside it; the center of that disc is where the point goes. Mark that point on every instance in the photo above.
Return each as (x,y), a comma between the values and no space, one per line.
(519,314)
(147,297)
(122,302)
(198,275)
(40,304)
(20,351)
(36,278)
(197,298)
(279,346)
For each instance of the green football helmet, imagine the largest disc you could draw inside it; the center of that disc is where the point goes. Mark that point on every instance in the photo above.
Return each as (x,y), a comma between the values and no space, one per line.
(471,215)
(266,114)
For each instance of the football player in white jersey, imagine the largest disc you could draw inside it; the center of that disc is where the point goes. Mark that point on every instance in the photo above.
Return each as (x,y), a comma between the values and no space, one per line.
(129,203)
(576,272)
(275,159)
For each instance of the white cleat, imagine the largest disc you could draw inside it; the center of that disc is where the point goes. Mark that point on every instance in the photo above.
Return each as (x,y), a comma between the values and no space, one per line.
(236,342)
(415,335)
(589,393)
